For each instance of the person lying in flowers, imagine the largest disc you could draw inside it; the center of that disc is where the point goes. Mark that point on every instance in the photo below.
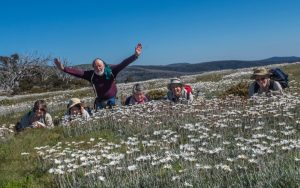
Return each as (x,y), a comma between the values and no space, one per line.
(76,110)
(263,84)
(138,95)
(38,117)
(178,92)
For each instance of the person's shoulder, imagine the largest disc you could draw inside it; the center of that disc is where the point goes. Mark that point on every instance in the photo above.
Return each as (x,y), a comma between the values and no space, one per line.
(85,113)
(252,84)
(48,114)
(147,98)
(169,94)
(127,101)
(29,114)
(276,85)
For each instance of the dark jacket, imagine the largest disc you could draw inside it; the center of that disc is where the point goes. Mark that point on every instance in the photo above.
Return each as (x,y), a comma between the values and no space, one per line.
(105,88)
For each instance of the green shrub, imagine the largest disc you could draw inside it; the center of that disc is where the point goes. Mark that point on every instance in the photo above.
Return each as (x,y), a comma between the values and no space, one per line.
(240,89)
(210,78)
(157,94)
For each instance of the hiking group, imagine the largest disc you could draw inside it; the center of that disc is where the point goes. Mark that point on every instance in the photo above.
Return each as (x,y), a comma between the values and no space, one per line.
(103,80)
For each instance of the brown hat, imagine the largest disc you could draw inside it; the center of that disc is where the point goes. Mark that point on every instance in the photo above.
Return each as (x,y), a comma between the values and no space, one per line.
(174,81)
(260,72)
(73,102)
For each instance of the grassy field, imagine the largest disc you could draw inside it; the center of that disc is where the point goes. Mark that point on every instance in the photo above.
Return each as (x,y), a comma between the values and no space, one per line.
(215,142)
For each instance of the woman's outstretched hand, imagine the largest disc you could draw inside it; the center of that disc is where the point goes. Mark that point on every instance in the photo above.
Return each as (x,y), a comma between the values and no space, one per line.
(138,49)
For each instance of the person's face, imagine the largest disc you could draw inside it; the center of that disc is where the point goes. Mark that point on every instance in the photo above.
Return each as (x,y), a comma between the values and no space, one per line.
(262,81)
(139,96)
(99,66)
(39,111)
(176,89)
(75,110)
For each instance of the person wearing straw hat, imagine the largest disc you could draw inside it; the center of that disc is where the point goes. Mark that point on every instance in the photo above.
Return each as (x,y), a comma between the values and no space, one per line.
(263,83)
(138,95)
(75,110)
(178,92)
(102,77)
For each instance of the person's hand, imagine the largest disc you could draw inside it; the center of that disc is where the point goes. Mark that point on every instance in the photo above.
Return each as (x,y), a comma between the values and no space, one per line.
(38,124)
(138,49)
(58,64)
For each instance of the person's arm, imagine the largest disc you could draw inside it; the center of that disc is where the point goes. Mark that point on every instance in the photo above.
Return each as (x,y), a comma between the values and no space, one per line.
(127,101)
(191,98)
(277,89)
(72,71)
(170,95)
(24,121)
(251,90)
(48,121)
(117,68)
(38,124)
(85,115)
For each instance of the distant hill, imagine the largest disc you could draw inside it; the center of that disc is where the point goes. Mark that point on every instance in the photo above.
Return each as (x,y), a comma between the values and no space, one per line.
(145,72)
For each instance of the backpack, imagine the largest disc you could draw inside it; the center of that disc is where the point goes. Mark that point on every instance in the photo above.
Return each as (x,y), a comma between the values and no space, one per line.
(278,75)
(189,90)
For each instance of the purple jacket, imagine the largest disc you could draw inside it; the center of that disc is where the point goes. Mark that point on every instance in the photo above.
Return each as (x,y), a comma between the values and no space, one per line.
(105,89)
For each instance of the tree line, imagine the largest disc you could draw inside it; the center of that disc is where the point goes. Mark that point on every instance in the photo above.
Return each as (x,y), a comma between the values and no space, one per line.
(21,74)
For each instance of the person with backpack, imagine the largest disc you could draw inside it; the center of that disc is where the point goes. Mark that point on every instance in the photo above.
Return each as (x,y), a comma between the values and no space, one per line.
(178,92)
(76,109)
(263,84)
(102,77)
(38,117)
(138,95)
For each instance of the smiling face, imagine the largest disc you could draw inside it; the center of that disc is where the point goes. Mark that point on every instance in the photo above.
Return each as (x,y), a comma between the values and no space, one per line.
(39,108)
(75,110)
(139,96)
(262,81)
(98,66)
(176,89)
(39,111)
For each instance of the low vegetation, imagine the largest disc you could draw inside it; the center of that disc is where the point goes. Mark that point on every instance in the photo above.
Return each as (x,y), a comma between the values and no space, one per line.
(218,141)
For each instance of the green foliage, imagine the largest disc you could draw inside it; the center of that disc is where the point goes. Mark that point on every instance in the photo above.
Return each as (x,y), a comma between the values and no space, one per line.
(151,85)
(53,83)
(129,78)
(210,77)
(240,89)
(279,170)
(27,171)
(156,94)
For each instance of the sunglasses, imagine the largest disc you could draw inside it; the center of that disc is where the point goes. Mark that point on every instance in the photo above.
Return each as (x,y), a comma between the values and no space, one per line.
(260,79)
(41,109)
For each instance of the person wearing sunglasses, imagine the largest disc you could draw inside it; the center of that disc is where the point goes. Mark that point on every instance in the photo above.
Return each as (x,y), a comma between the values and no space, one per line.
(263,84)
(38,117)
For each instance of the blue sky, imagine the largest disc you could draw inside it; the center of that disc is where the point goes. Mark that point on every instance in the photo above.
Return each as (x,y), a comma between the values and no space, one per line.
(171,31)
